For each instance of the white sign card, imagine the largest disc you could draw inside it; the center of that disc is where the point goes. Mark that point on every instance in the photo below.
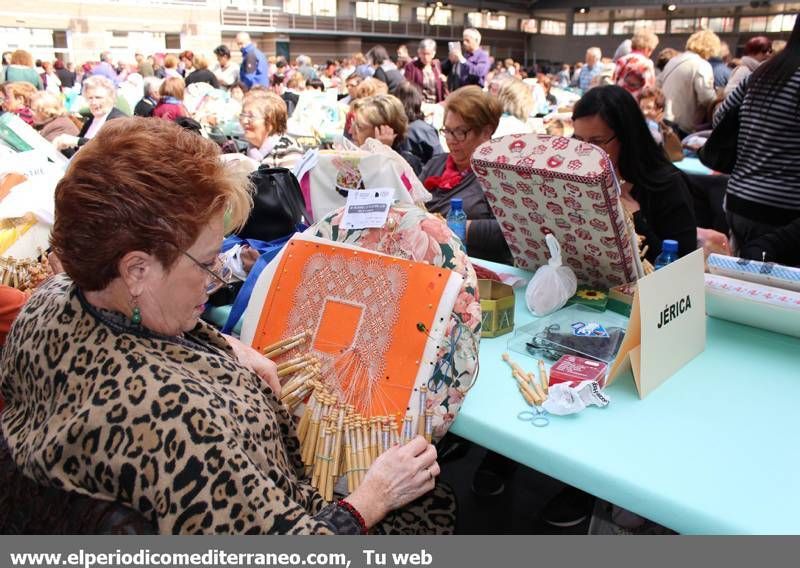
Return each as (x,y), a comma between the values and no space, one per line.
(367,208)
(667,327)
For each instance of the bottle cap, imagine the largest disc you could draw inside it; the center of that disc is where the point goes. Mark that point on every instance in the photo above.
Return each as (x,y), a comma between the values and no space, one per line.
(456,203)
(669,246)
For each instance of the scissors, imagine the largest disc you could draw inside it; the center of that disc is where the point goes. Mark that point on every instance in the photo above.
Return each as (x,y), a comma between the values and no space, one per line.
(537,417)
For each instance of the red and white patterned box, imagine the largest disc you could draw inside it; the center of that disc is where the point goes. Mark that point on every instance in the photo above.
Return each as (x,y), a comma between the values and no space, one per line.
(540,184)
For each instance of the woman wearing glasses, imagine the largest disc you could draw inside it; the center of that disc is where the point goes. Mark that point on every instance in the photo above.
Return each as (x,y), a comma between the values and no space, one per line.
(471,117)
(264,118)
(115,390)
(653,191)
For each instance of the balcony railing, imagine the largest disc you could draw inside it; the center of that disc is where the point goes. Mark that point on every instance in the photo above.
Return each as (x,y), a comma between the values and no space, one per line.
(280,21)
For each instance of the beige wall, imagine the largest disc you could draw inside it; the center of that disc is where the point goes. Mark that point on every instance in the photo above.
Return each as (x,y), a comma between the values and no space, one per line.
(88,22)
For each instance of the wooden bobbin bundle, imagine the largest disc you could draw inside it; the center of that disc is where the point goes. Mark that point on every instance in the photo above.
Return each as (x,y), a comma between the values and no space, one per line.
(23,274)
(335,439)
(533,391)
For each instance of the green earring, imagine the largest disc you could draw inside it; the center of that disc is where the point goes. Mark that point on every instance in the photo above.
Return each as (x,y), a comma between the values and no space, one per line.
(136,314)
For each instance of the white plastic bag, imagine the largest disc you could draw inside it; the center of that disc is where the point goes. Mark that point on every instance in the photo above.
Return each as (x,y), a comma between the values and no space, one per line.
(552,285)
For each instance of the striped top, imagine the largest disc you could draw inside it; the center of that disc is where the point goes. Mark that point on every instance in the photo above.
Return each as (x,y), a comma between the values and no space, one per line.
(765,183)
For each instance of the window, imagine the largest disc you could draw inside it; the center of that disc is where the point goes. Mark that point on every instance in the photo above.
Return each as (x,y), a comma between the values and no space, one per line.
(378,11)
(753,24)
(686,25)
(442,17)
(589,28)
(627,27)
(310,7)
(552,27)
(30,39)
(528,26)
(486,20)
(781,23)
(720,25)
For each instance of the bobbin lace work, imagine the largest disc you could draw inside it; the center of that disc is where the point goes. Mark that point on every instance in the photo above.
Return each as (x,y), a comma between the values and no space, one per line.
(365,284)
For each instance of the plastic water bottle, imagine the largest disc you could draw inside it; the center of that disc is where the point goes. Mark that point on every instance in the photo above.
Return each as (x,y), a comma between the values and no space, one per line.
(669,253)
(457,219)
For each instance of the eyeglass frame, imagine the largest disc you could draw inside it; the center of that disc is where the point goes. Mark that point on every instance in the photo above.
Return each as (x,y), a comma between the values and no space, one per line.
(249,117)
(602,143)
(219,280)
(447,133)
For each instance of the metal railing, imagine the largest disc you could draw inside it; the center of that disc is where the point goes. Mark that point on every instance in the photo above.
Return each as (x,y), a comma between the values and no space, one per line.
(278,20)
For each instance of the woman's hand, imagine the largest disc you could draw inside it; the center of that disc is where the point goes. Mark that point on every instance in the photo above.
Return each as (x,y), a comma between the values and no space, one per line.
(248,256)
(629,203)
(397,477)
(256,362)
(385,134)
(64,141)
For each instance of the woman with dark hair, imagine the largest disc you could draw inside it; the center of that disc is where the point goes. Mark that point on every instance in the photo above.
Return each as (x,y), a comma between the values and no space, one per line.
(764,190)
(653,191)
(422,140)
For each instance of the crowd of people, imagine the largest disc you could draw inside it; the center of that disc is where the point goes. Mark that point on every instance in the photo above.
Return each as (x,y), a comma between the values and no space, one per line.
(134,285)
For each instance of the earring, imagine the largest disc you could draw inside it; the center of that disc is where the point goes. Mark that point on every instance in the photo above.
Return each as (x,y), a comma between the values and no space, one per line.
(136,315)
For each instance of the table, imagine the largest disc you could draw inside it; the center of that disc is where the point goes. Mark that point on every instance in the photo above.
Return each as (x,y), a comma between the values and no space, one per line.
(710,451)
(693,166)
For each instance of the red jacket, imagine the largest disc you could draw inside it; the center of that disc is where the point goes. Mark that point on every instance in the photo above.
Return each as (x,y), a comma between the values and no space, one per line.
(413,72)
(169,111)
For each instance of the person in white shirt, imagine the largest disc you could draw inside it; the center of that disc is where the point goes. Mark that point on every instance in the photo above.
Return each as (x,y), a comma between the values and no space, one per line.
(688,81)
(226,72)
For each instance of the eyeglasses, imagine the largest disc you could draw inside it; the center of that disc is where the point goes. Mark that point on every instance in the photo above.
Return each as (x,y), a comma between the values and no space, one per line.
(594,141)
(220,273)
(249,117)
(457,134)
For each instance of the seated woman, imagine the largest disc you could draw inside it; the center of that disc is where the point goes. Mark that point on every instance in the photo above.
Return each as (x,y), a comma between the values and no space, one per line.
(17,98)
(366,88)
(170,105)
(50,117)
(471,116)
(518,104)
(264,118)
(422,140)
(653,190)
(383,118)
(100,94)
(149,407)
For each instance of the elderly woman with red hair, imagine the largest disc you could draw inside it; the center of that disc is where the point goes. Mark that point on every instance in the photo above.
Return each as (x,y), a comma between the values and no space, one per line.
(756,51)
(116,390)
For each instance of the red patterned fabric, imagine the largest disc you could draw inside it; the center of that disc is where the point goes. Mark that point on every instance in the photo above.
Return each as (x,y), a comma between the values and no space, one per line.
(538,184)
(449,178)
(634,72)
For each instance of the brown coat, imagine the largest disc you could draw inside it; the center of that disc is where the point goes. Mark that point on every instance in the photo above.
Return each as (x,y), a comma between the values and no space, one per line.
(56,126)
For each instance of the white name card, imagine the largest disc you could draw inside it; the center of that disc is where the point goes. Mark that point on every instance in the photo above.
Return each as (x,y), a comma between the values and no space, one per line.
(667,328)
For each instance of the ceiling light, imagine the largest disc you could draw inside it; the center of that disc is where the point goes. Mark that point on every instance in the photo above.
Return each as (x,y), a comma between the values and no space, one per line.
(669,7)
(583,10)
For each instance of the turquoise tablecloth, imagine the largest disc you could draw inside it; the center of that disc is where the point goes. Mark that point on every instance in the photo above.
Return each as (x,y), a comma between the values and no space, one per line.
(693,166)
(713,450)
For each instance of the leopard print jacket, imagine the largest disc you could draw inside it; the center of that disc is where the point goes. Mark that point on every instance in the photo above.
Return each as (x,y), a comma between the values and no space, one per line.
(173,428)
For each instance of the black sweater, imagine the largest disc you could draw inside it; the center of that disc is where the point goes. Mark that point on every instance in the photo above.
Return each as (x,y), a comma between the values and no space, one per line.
(485,239)
(781,246)
(666,213)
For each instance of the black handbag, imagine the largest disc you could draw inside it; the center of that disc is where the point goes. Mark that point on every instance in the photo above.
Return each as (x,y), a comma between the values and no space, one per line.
(278,205)
(719,151)
(278,208)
